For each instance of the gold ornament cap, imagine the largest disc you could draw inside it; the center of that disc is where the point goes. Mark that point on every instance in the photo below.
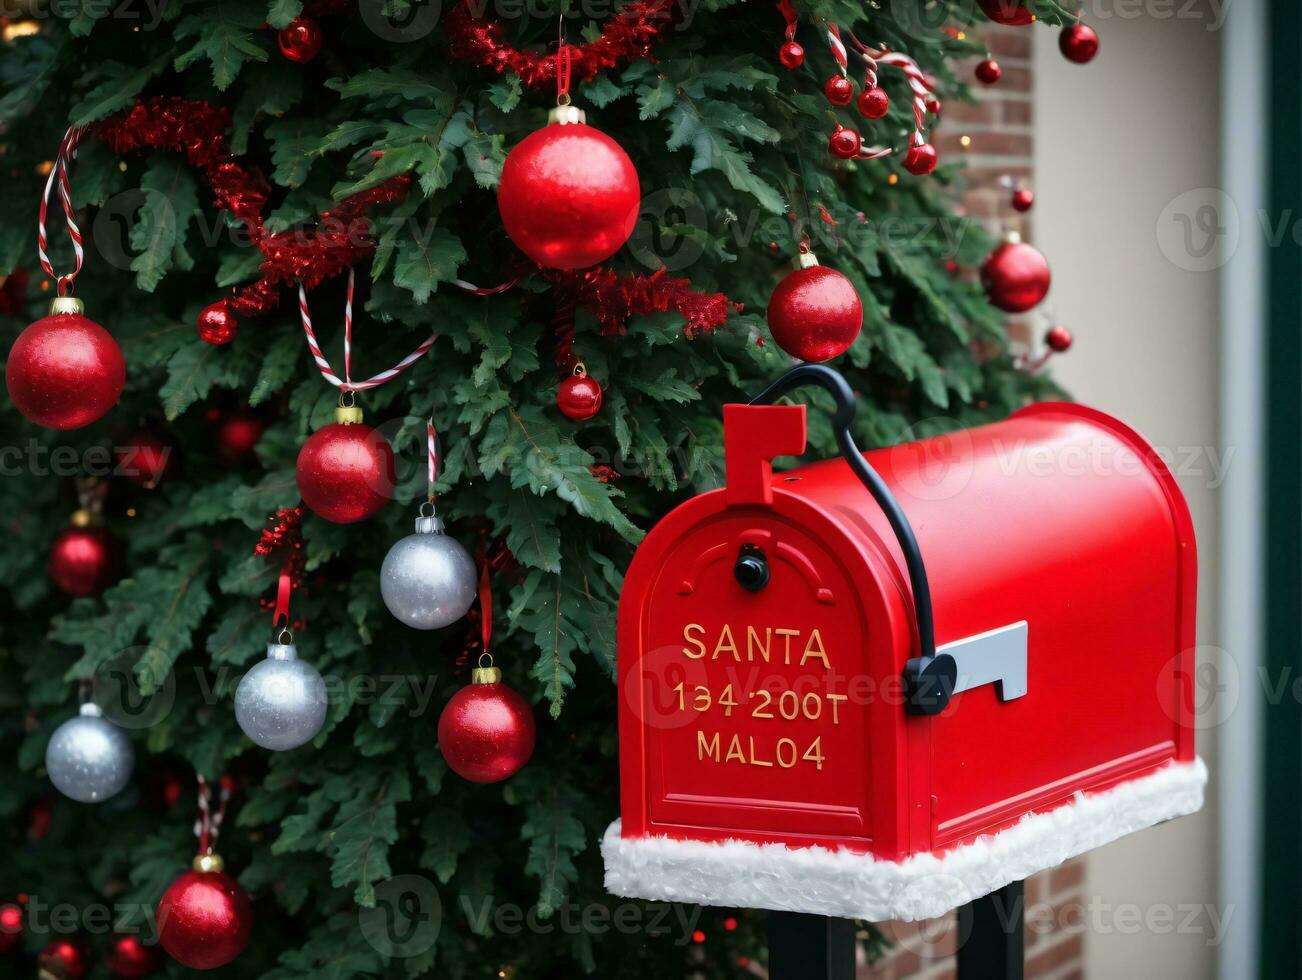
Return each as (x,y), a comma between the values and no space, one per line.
(486,673)
(208,863)
(1012,238)
(567,115)
(66,304)
(806,259)
(348,414)
(81,517)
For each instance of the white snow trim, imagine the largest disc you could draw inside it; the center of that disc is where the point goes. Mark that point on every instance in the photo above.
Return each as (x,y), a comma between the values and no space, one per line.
(741,874)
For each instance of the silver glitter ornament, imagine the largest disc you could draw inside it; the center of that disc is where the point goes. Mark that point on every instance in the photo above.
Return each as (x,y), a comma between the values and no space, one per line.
(89,758)
(281,702)
(428,579)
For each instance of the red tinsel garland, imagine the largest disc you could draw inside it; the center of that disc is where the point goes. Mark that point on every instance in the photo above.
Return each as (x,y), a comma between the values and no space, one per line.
(613,298)
(282,542)
(628,35)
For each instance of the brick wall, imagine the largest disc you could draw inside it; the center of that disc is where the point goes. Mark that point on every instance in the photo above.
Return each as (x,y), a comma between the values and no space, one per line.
(994,135)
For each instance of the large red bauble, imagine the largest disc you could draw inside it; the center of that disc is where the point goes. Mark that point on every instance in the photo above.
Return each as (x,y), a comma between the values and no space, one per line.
(131,959)
(920,160)
(65,371)
(84,560)
(1016,277)
(64,959)
(1078,43)
(1011,13)
(300,39)
(204,919)
(815,314)
(11,927)
(578,397)
(145,459)
(345,473)
(486,732)
(569,196)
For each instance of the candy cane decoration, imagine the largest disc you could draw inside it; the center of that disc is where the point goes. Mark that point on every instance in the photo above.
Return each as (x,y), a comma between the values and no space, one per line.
(432,441)
(59,176)
(347,383)
(208,824)
(873,58)
(838,47)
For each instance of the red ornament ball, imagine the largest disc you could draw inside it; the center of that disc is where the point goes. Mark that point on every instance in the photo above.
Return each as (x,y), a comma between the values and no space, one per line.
(1058,339)
(920,160)
(1010,13)
(933,105)
(569,196)
(217,325)
(131,959)
(791,55)
(204,919)
(237,437)
(64,959)
(814,313)
(874,103)
(300,39)
(65,371)
(1078,43)
(1016,277)
(345,472)
(839,90)
(486,731)
(1023,200)
(844,143)
(84,560)
(988,72)
(145,460)
(11,927)
(579,396)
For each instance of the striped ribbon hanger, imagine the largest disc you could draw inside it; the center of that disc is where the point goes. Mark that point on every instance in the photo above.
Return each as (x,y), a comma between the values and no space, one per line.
(58,177)
(208,824)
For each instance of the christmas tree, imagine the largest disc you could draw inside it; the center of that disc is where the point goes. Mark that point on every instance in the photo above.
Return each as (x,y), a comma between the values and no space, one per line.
(225,152)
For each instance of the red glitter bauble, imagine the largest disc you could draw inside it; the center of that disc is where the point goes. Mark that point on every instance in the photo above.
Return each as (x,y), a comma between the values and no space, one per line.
(145,459)
(844,143)
(579,396)
(988,72)
(300,39)
(1059,339)
(84,560)
(920,160)
(345,473)
(569,196)
(11,927)
(238,436)
(1023,200)
(217,325)
(1010,13)
(874,102)
(131,959)
(204,919)
(64,959)
(839,90)
(1078,43)
(791,55)
(1016,277)
(486,732)
(814,313)
(65,371)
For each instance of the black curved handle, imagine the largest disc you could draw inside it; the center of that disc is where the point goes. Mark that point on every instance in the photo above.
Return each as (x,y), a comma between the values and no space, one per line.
(928,679)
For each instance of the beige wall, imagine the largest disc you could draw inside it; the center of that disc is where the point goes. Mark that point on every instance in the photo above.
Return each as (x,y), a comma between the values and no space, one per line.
(1115,142)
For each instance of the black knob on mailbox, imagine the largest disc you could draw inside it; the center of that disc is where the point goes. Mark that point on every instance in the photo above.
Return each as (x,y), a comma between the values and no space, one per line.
(751,569)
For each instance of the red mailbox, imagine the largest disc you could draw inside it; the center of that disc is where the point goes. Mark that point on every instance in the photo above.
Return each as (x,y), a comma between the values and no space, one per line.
(882,691)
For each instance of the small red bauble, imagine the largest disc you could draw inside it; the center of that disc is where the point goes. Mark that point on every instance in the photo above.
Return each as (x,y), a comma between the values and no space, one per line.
(791,55)
(873,102)
(569,194)
(345,471)
(237,436)
(933,105)
(814,313)
(988,72)
(921,159)
(64,959)
(1023,200)
(1016,277)
(1058,339)
(205,917)
(11,927)
(1010,13)
(145,460)
(83,560)
(1078,43)
(844,143)
(300,39)
(217,325)
(579,396)
(486,731)
(131,959)
(65,371)
(839,90)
